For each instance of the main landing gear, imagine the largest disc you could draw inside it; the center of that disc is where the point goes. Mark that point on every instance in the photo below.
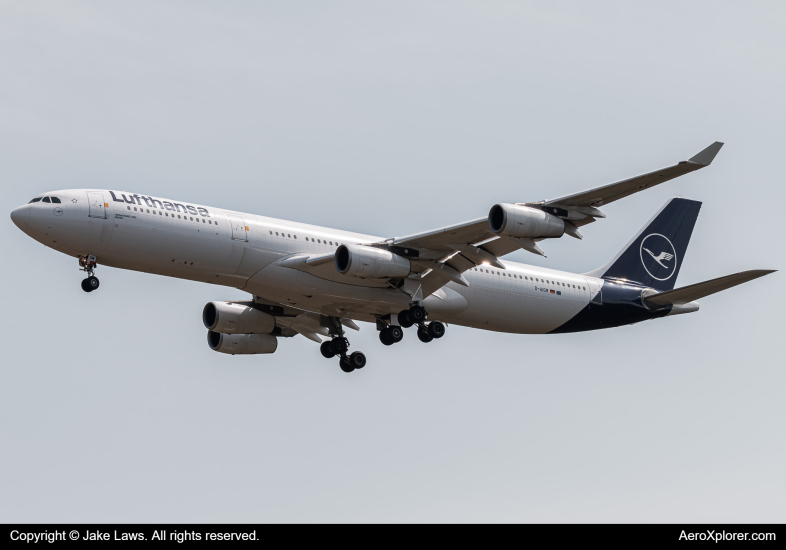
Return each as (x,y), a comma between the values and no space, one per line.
(88,264)
(415,315)
(339,346)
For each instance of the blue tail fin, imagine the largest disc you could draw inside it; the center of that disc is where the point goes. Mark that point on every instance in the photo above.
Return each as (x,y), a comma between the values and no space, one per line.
(654,256)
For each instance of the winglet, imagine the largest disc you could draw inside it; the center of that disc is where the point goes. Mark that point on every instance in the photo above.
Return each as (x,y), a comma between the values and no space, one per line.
(706,157)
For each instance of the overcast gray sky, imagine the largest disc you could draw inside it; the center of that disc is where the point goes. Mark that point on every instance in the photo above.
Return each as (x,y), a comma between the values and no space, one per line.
(390,118)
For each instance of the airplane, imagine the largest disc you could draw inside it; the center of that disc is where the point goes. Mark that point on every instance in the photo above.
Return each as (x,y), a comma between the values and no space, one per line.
(316,281)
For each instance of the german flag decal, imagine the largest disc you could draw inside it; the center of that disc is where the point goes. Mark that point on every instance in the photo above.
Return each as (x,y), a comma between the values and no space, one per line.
(553,292)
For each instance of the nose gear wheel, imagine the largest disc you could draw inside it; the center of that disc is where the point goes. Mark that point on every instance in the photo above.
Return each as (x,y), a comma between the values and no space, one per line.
(88,264)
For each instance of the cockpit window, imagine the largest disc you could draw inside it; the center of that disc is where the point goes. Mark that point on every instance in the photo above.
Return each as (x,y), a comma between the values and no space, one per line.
(46,199)
(55,199)
(34,200)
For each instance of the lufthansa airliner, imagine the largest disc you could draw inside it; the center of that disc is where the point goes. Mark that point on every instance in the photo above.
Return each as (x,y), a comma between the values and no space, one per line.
(316,281)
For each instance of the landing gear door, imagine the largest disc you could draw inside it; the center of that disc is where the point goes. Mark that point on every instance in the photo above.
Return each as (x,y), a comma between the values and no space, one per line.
(596,294)
(239,229)
(96,204)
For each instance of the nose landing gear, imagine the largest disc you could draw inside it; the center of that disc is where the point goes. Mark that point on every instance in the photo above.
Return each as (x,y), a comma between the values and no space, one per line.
(339,346)
(88,264)
(90,284)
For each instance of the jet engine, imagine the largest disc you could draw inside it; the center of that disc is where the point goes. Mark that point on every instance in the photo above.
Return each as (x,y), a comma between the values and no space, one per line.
(237,318)
(241,344)
(513,220)
(368,262)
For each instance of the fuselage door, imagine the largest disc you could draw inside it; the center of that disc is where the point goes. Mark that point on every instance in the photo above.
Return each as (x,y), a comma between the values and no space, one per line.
(239,229)
(96,205)
(596,293)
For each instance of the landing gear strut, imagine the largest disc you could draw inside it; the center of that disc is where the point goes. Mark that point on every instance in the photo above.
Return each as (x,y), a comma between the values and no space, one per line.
(339,346)
(88,265)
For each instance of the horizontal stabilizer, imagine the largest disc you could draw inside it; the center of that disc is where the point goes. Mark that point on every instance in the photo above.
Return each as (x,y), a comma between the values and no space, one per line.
(700,290)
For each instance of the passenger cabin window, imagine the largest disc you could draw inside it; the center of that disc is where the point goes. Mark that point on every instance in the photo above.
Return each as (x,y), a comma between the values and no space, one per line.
(46,199)
(34,200)
(55,199)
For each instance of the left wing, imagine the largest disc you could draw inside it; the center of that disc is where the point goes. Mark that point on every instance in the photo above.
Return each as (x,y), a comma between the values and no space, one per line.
(443,254)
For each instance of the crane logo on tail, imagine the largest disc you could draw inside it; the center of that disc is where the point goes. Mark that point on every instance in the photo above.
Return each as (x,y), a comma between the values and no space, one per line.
(658,264)
(662,256)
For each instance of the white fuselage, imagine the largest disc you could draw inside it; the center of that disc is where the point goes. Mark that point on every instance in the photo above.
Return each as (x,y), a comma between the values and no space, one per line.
(260,255)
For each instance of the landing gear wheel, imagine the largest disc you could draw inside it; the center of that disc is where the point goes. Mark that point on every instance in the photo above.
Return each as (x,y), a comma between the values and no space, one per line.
(357,360)
(346,365)
(436,329)
(326,350)
(405,319)
(423,335)
(391,335)
(384,337)
(92,283)
(85,287)
(339,345)
(417,314)
(395,334)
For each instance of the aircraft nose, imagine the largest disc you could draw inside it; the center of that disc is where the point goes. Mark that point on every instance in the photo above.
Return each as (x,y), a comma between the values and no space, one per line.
(20,216)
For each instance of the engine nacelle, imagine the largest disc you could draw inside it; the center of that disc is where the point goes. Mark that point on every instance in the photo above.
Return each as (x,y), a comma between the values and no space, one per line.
(241,344)
(512,220)
(234,318)
(368,262)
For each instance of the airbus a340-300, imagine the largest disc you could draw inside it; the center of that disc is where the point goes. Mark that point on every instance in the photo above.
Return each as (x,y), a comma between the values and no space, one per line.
(315,281)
